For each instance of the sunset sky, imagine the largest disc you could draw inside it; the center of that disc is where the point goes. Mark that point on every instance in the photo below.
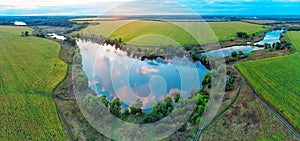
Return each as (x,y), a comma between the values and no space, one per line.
(142,7)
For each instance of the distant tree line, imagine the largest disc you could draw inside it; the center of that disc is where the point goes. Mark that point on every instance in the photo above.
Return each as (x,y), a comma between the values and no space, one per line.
(77,27)
(62,21)
(136,51)
(294,29)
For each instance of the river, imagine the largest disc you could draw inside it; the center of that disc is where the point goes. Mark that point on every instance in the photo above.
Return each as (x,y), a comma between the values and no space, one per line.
(270,38)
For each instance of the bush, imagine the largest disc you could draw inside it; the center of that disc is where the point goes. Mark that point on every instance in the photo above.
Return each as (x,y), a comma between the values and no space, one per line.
(242,35)
(234,54)
(207,80)
(81,81)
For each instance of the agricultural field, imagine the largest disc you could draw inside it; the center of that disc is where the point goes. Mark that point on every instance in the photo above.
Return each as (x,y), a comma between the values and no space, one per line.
(247,119)
(30,70)
(104,28)
(277,80)
(154,33)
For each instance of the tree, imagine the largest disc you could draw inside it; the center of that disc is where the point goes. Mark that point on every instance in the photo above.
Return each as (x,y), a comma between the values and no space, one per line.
(115,107)
(81,81)
(228,73)
(71,40)
(278,46)
(266,45)
(26,33)
(240,53)
(207,80)
(89,102)
(136,107)
(198,120)
(104,100)
(169,102)
(234,54)
(229,83)
(177,98)
(242,35)
(93,104)
(40,33)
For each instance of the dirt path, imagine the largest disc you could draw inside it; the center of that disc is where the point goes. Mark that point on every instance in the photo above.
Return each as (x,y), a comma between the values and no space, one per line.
(201,129)
(270,108)
(260,99)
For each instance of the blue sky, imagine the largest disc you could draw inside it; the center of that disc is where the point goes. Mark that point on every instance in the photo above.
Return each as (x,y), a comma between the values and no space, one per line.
(129,7)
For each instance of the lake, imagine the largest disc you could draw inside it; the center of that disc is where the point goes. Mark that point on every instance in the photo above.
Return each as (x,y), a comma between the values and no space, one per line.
(113,74)
(270,38)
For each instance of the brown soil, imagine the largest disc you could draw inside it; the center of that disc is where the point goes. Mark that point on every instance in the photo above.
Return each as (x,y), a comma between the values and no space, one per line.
(74,123)
(247,119)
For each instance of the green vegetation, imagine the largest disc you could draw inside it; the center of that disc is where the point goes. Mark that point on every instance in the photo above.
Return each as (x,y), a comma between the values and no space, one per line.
(276,137)
(243,117)
(153,31)
(229,82)
(160,109)
(105,28)
(30,70)
(236,56)
(228,30)
(146,33)
(97,105)
(277,80)
(242,35)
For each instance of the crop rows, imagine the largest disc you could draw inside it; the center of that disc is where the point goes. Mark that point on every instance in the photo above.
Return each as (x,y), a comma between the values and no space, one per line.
(155,33)
(277,80)
(30,69)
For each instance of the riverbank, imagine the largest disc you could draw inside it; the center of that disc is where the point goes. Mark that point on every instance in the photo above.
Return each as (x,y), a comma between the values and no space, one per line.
(286,68)
(133,36)
(271,40)
(247,109)
(74,124)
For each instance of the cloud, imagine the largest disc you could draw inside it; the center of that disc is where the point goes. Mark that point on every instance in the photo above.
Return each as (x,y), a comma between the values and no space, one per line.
(146,70)
(173,92)
(51,14)
(36,4)
(286,0)
(143,7)
(148,102)
(126,95)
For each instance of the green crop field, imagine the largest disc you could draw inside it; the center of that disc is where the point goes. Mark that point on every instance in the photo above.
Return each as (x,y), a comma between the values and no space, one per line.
(30,69)
(156,33)
(277,80)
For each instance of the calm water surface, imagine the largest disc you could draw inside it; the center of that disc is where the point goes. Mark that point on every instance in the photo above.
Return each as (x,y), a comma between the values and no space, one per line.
(112,73)
(270,38)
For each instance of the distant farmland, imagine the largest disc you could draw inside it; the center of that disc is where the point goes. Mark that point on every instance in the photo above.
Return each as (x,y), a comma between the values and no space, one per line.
(185,33)
(30,69)
(277,80)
